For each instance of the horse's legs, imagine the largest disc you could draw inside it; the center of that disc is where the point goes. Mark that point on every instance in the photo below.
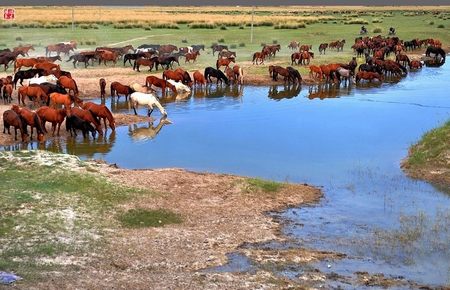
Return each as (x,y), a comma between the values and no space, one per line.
(54,128)
(149,112)
(134,109)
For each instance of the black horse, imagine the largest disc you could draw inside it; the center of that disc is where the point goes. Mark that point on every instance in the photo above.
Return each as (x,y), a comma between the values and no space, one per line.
(27,74)
(76,58)
(294,75)
(167,61)
(132,56)
(370,68)
(218,74)
(436,51)
(197,47)
(49,88)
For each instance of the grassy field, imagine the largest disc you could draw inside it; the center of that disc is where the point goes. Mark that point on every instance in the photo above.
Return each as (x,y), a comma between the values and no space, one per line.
(321,26)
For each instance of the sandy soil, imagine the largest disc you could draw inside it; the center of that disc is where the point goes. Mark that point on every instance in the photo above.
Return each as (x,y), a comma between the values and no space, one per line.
(220,213)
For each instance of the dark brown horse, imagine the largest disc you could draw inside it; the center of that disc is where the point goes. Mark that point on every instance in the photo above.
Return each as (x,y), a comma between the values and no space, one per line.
(54,116)
(102,84)
(102,112)
(275,70)
(224,62)
(7,57)
(11,118)
(364,75)
(191,56)
(160,83)
(119,89)
(261,56)
(88,116)
(145,62)
(31,119)
(7,93)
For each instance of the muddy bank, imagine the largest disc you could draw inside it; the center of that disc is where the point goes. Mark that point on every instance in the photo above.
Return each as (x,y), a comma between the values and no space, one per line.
(220,212)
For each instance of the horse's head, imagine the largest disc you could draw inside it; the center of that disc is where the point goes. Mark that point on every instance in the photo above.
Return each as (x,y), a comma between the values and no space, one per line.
(15,108)
(41,137)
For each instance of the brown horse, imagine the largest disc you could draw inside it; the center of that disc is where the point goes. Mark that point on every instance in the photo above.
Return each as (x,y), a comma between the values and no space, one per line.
(275,70)
(102,84)
(24,48)
(11,118)
(51,59)
(24,62)
(160,83)
(415,64)
(315,71)
(69,84)
(63,99)
(34,93)
(7,93)
(305,47)
(365,75)
(306,57)
(199,78)
(230,74)
(105,55)
(261,56)
(60,47)
(31,119)
(119,89)
(224,62)
(47,66)
(88,116)
(296,56)
(102,112)
(145,62)
(191,56)
(186,77)
(54,116)
(173,75)
(238,74)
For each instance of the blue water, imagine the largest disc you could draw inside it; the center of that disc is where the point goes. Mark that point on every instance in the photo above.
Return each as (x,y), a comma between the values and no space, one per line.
(351,143)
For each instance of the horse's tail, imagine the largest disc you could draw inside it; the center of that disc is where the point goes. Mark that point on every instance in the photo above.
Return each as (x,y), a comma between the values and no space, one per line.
(254,57)
(38,124)
(112,90)
(76,88)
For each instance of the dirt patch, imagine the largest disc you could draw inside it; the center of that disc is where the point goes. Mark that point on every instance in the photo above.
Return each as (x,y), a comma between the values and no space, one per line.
(219,212)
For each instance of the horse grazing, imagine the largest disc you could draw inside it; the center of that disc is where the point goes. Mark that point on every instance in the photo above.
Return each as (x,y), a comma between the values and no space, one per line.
(69,84)
(275,70)
(199,78)
(191,56)
(323,47)
(364,75)
(31,119)
(186,77)
(150,100)
(224,62)
(24,62)
(24,49)
(261,56)
(34,93)
(160,83)
(88,116)
(119,89)
(74,123)
(101,112)
(294,75)
(102,84)
(11,118)
(179,87)
(218,74)
(7,93)
(54,116)
(437,51)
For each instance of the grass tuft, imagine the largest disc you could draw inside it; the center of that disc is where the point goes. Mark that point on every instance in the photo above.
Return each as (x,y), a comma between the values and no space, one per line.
(141,218)
(264,185)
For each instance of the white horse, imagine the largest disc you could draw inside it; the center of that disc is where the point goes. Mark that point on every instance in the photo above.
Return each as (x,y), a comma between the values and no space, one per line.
(150,100)
(180,87)
(43,79)
(346,75)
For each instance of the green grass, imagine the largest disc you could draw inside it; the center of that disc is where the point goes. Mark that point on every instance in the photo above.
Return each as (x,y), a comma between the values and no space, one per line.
(433,149)
(141,218)
(264,185)
(52,205)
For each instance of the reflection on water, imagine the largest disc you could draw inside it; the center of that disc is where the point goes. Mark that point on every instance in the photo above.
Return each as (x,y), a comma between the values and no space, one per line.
(284,92)
(146,131)
(326,91)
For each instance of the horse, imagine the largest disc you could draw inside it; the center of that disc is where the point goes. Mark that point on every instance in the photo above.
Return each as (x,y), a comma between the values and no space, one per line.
(167,61)
(43,79)
(218,74)
(49,88)
(294,75)
(59,73)
(343,73)
(26,74)
(47,66)
(238,74)
(415,64)
(218,47)
(69,84)
(167,48)
(54,116)
(119,89)
(102,84)
(186,77)
(293,45)
(402,58)
(191,56)
(150,100)
(24,62)
(48,59)
(132,56)
(323,47)
(261,56)
(160,83)
(226,54)
(144,61)
(60,47)
(224,62)
(7,57)
(173,75)
(199,78)
(11,118)
(364,75)
(76,58)
(296,56)
(436,51)
(198,47)
(179,87)
(31,119)
(315,71)
(34,93)
(62,99)
(106,55)
(275,70)
(88,116)
(25,49)
(101,112)
(306,56)
(73,123)
(305,47)
(7,93)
